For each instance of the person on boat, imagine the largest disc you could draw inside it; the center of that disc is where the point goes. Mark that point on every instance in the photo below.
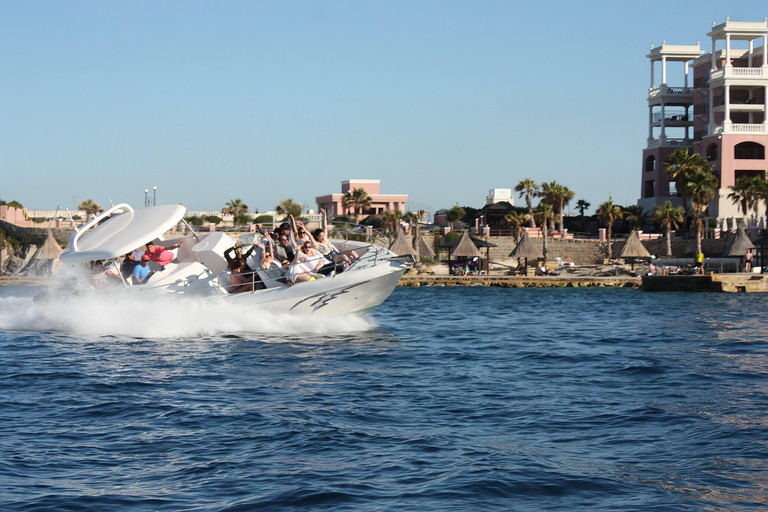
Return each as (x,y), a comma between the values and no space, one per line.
(127,266)
(284,251)
(271,269)
(161,255)
(324,246)
(141,272)
(241,277)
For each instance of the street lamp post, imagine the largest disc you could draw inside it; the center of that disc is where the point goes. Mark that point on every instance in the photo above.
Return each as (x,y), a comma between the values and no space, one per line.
(146,197)
(154,196)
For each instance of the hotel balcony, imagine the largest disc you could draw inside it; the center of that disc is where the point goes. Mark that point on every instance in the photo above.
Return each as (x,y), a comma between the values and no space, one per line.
(669,142)
(672,119)
(670,95)
(741,129)
(738,76)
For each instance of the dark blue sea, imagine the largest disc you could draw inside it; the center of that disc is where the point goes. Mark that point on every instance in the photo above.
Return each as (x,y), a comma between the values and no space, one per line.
(443,399)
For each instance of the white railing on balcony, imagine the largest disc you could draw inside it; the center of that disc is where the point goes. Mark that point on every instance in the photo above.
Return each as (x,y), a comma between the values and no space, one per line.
(736,72)
(748,128)
(655,91)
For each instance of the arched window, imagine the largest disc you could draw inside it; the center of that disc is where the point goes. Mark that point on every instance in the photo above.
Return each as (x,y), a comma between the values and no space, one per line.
(713,152)
(749,151)
(650,164)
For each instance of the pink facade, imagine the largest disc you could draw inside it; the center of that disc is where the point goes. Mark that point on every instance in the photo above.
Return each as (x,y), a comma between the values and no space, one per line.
(722,116)
(332,203)
(15,216)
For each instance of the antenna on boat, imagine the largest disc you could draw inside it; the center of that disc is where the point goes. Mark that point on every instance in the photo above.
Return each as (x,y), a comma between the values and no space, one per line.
(110,202)
(74,226)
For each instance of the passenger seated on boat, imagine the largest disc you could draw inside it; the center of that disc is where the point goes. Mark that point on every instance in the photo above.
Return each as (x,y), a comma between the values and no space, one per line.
(127,266)
(241,278)
(161,255)
(141,272)
(284,251)
(326,248)
(306,262)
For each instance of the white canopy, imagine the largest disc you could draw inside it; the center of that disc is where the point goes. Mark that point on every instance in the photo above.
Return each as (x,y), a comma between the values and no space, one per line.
(123,231)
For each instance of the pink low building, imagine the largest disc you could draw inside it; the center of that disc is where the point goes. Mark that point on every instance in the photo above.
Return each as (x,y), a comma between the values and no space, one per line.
(379,202)
(15,216)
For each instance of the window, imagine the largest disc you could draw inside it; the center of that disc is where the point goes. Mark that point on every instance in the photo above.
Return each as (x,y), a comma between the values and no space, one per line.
(650,164)
(713,153)
(749,151)
(650,187)
(672,189)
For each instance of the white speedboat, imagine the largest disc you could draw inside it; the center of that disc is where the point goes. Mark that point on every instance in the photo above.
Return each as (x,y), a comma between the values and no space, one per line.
(199,268)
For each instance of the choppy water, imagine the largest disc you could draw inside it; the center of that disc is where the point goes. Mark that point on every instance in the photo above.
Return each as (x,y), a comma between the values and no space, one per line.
(443,399)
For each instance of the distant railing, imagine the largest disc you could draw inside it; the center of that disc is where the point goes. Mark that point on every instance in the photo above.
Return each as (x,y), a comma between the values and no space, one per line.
(748,128)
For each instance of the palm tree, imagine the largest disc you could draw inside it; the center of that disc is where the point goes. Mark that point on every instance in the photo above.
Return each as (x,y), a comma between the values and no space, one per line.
(679,165)
(528,188)
(360,201)
(543,214)
(582,205)
(608,212)
(346,203)
(391,219)
(90,208)
(669,218)
(747,193)
(635,214)
(413,218)
(288,207)
(701,187)
(235,207)
(516,221)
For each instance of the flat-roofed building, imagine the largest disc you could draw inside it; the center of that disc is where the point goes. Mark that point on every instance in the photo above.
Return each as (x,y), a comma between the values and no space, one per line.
(379,202)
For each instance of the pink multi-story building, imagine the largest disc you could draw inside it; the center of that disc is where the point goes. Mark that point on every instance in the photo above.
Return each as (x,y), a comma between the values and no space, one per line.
(379,202)
(720,113)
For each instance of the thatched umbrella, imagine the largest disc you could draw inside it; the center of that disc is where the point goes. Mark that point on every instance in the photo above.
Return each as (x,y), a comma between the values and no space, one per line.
(422,247)
(633,248)
(45,259)
(738,244)
(401,245)
(526,248)
(466,248)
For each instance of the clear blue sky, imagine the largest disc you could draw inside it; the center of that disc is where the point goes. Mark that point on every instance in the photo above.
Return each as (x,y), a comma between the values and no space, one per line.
(263,101)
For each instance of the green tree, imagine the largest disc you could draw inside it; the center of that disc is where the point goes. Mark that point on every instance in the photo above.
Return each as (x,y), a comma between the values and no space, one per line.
(360,202)
(516,220)
(215,219)
(635,214)
(528,188)
(391,219)
(90,208)
(701,187)
(669,218)
(194,220)
(235,207)
(608,212)
(558,196)
(582,205)
(288,207)
(543,214)
(455,214)
(679,166)
(747,193)
(241,219)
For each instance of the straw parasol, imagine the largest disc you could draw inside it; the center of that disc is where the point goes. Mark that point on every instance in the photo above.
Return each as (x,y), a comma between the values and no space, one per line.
(401,245)
(422,247)
(738,244)
(466,248)
(526,248)
(633,248)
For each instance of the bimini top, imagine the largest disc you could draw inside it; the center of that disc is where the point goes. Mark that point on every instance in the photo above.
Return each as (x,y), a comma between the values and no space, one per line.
(121,230)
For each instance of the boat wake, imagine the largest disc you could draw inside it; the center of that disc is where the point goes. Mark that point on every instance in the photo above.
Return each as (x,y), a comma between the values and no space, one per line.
(189,318)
